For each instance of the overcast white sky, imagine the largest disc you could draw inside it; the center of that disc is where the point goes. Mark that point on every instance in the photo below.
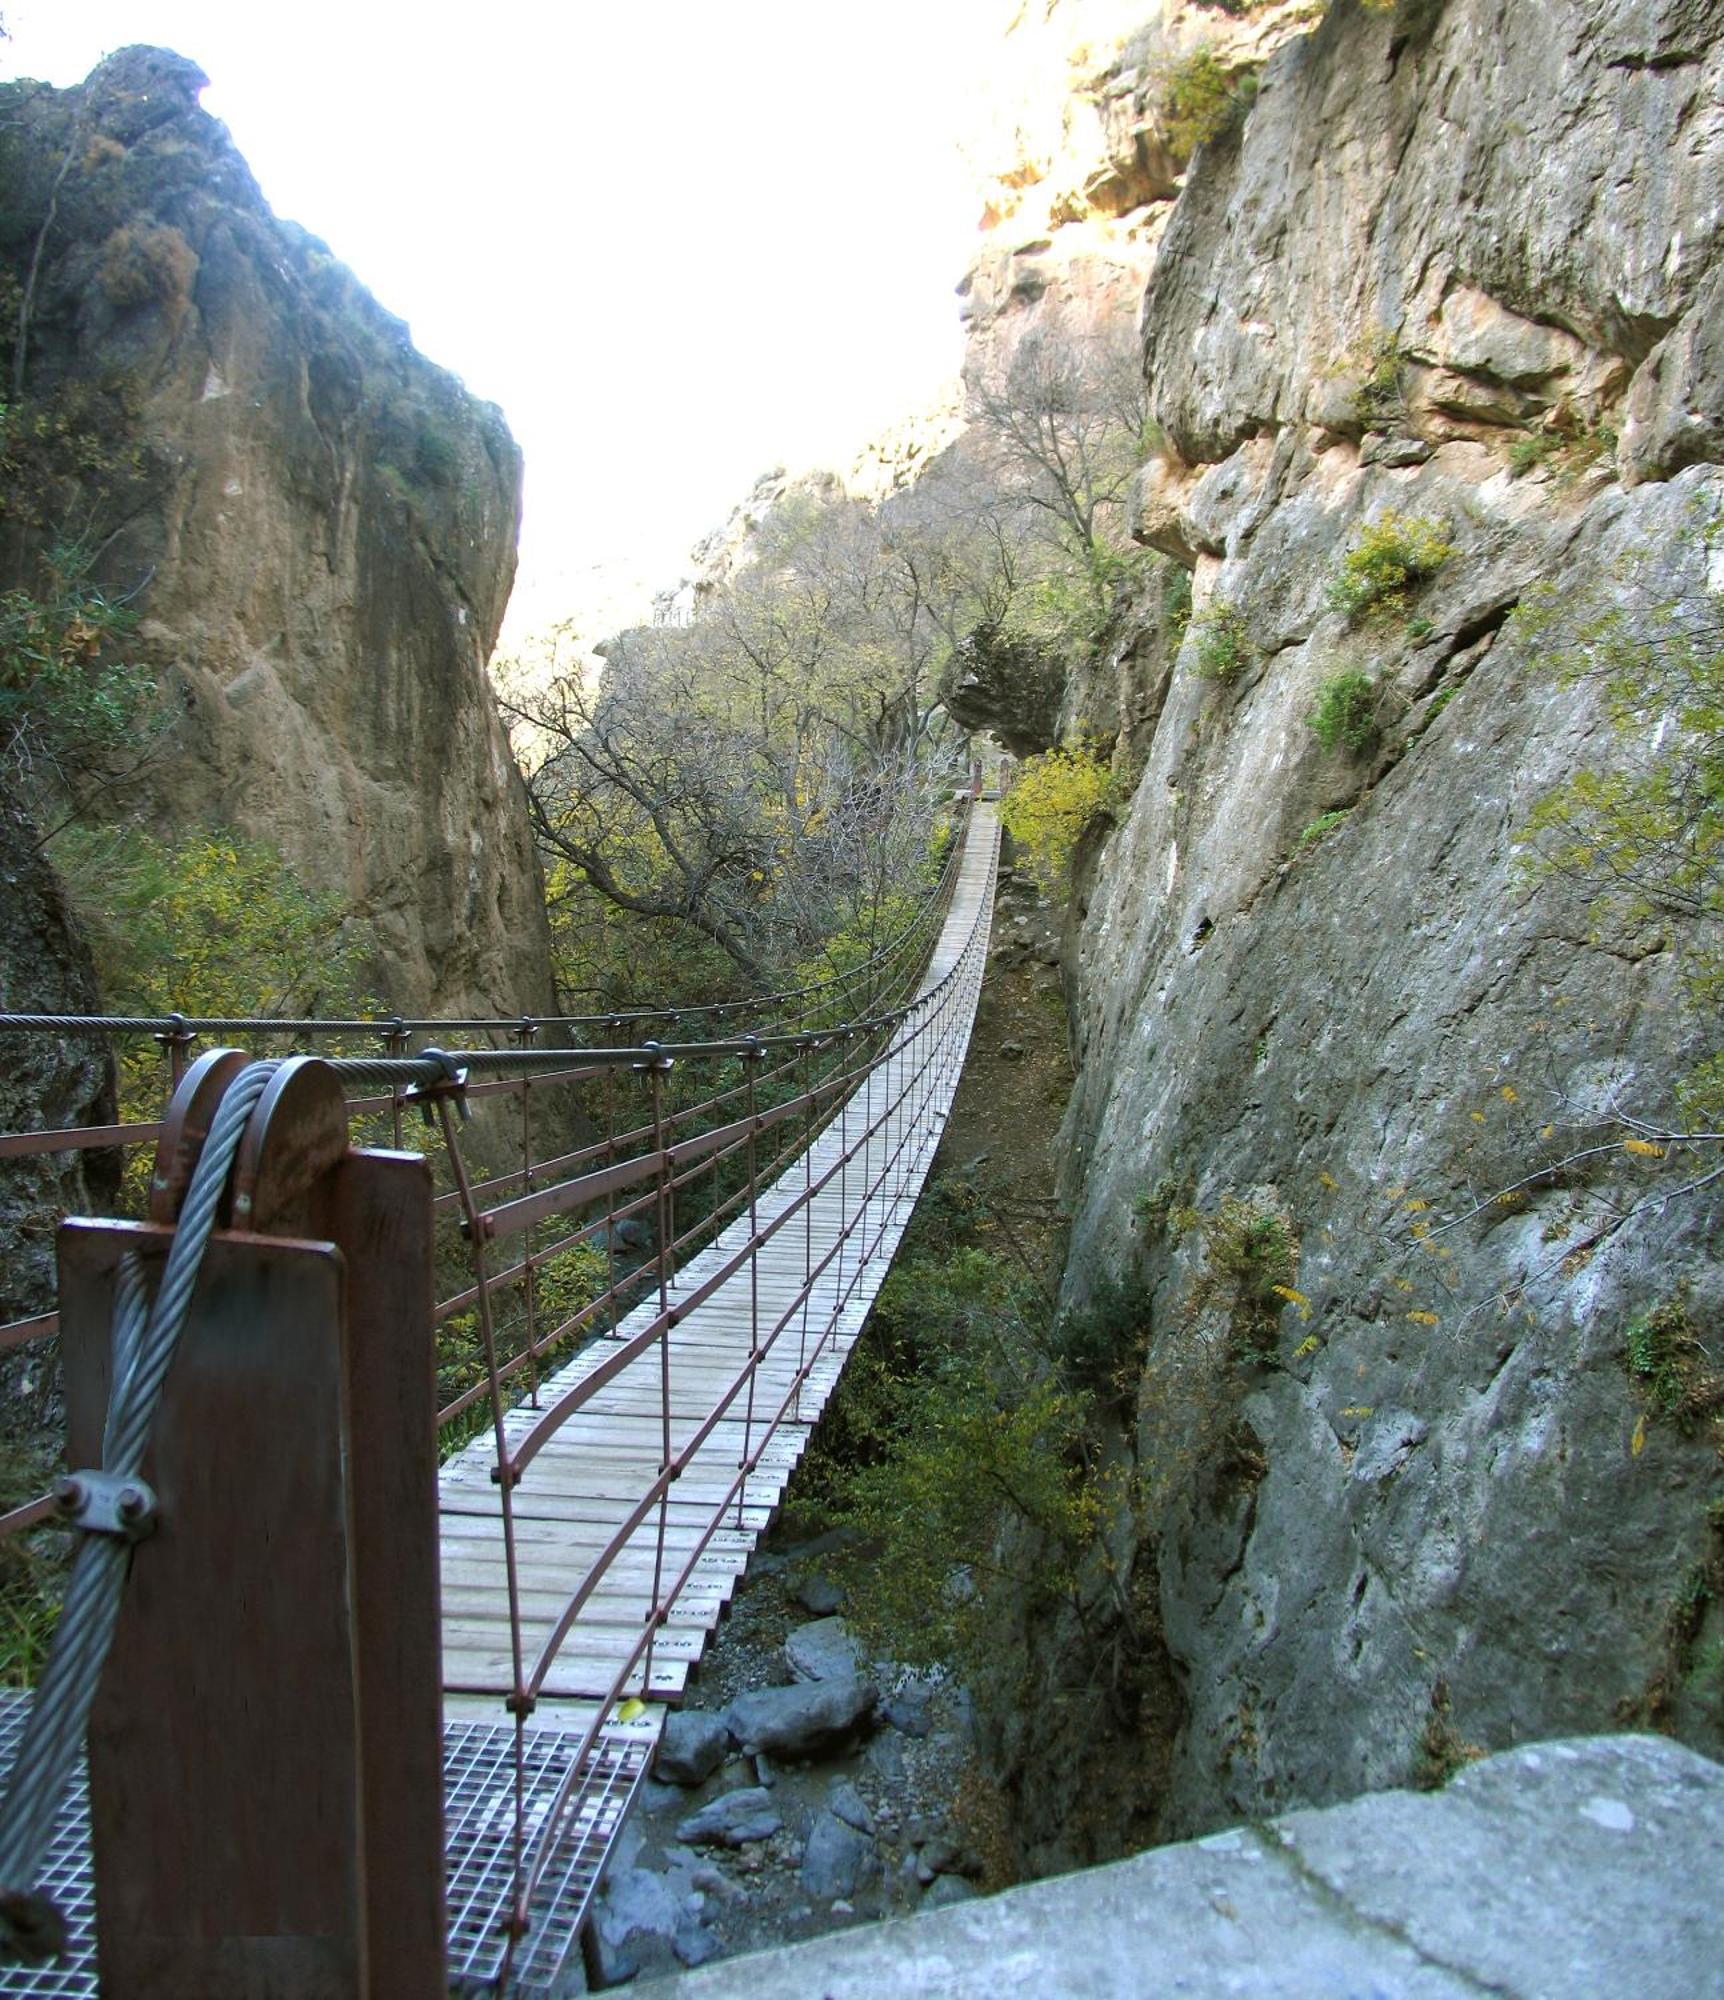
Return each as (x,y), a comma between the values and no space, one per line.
(678,241)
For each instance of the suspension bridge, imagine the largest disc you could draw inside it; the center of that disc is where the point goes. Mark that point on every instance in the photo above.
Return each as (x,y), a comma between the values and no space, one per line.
(376,1707)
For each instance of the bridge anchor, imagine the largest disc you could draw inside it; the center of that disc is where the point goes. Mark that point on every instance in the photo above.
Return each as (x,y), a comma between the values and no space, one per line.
(266,1778)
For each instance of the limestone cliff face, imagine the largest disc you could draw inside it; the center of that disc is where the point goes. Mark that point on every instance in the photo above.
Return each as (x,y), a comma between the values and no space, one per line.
(316,527)
(1449,243)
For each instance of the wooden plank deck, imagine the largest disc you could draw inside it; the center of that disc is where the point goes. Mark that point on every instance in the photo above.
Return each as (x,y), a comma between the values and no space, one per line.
(577,1493)
(580,1489)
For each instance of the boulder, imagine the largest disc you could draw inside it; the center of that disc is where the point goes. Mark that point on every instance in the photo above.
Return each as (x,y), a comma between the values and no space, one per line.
(817,1593)
(838,1859)
(732,1820)
(811,1719)
(643,1922)
(850,1806)
(945,1890)
(692,1747)
(909,1709)
(823,1651)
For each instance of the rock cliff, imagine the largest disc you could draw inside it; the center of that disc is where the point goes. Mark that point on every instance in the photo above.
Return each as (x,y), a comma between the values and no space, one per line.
(314,525)
(1456,267)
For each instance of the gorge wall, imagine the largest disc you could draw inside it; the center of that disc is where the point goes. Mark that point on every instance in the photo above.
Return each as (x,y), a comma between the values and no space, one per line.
(313,524)
(1457,263)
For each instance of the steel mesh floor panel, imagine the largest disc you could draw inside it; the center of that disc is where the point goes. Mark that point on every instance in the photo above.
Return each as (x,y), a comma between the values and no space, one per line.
(479,1788)
(66,1878)
(479,1781)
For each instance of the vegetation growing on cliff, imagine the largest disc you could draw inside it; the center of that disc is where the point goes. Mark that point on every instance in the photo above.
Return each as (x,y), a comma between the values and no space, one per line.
(1345,713)
(1201,99)
(1386,560)
(70,712)
(1054,801)
(1646,835)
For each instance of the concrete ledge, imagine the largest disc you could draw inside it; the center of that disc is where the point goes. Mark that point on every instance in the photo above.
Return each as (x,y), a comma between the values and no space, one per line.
(1569,1869)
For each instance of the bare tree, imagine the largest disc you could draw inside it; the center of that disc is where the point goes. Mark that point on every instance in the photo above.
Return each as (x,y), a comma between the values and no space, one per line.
(1062,428)
(766,774)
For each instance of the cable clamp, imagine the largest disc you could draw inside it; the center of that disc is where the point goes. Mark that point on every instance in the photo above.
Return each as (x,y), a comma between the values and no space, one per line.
(452,1083)
(107,1503)
(656,1059)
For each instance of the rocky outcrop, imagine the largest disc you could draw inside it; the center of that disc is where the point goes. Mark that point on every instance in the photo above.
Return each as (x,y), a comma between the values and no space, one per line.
(1457,267)
(1521,206)
(1085,160)
(314,525)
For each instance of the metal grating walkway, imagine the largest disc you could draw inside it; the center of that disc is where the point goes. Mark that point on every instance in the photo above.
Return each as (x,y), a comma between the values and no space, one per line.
(479,1808)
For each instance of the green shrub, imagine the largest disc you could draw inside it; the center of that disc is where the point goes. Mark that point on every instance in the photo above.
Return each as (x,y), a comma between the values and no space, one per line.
(1176,603)
(1320,828)
(1250,1265)
(1380,397)
(210,923)
(567,1283)
(66,711)
(1222,649)
(1100,1346)
(1053,802)
(1156,1207)
(1443,1752)
(1641,826)
(1346,711)
(966,1474)
(32,1567)
(1570,444)
(1668,1365)
(1387,559)
(1530,451)
(1202,99)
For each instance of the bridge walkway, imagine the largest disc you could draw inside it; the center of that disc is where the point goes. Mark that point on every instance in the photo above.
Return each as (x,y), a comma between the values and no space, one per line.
(823,1268)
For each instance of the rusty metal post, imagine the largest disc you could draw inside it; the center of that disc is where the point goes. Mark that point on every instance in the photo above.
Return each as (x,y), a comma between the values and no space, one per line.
(657,1066)
(174,1041)
(395,1047)
(266,1745)
(614,1028)
(526,1034)
(751,1061)
(807,1051)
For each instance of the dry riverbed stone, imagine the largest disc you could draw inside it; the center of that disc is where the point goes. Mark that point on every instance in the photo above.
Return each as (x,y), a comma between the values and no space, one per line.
(812,1719)
(732,1820)
(692,1747)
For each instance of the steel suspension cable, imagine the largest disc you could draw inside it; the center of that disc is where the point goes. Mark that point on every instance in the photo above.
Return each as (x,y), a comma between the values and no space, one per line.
(114,1508)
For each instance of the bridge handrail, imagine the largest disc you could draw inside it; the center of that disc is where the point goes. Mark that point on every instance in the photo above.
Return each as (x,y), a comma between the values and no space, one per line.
(177,1024)
(830,1071)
